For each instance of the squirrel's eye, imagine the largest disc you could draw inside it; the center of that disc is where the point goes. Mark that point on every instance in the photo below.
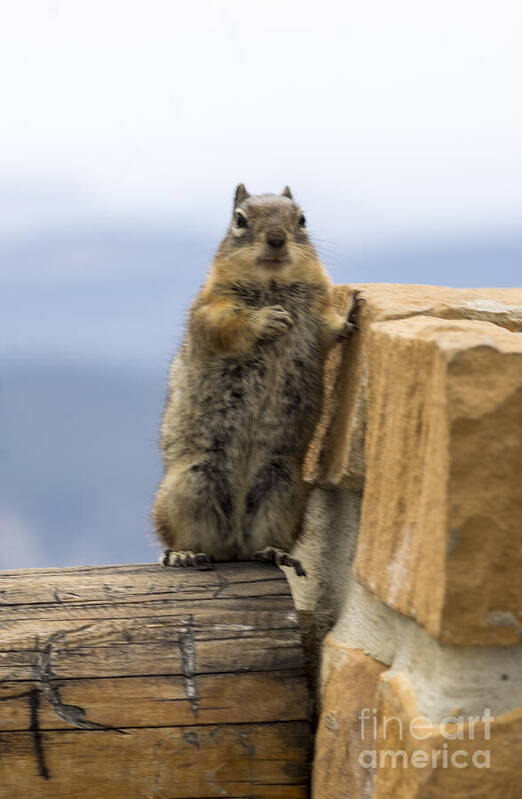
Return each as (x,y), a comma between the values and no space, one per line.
(240,220)
(302,220)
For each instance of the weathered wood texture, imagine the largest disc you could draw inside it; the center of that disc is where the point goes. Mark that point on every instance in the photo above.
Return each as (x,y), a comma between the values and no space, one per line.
(130,682)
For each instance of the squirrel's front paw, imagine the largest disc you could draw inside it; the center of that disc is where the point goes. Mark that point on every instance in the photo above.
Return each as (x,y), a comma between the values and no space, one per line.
(276,321)
(350,325)
(347,330)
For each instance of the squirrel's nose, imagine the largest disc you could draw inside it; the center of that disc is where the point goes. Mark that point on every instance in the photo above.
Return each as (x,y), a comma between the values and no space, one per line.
(276,238)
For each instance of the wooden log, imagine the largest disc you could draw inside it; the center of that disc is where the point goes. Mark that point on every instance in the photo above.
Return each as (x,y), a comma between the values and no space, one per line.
(131,682)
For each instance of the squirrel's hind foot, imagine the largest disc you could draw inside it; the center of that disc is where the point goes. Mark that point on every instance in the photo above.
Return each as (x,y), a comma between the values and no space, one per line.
(280,558)
(185,559)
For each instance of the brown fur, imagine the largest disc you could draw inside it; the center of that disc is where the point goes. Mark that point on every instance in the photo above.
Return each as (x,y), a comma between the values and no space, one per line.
(245,389)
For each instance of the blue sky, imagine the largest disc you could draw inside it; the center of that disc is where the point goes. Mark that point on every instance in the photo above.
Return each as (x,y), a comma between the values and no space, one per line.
(126,126)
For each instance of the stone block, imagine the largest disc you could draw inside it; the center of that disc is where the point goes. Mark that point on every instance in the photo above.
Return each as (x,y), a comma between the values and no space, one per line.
(459,756)
(349,680)
(381,735)
(441,525)
(337,451)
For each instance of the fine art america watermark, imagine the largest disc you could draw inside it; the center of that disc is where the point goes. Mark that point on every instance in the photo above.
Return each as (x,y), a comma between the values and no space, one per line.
(452,728)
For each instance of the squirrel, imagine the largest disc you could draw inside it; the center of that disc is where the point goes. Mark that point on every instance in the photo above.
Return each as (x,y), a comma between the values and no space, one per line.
(245,392)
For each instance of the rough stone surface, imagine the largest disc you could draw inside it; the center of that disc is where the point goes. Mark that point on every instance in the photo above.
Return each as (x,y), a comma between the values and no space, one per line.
(444,676)
(339,361)
(349,685)
(431,379)
(348,751)
(442,510)
(480,759)
(337,451)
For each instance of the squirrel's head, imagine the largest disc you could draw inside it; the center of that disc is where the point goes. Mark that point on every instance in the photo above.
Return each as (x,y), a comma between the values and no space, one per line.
(267,232)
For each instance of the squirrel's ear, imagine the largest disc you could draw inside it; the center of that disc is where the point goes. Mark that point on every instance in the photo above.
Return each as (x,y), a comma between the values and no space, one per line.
(287,193)
(241,194)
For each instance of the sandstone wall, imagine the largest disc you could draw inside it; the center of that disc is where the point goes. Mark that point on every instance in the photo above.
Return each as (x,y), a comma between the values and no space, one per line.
(413,546)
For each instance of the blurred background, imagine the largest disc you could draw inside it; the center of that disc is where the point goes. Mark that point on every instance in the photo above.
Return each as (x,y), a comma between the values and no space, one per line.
(124,129)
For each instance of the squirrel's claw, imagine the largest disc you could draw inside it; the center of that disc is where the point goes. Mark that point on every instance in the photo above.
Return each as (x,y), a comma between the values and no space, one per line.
(350,325)
(357,299)
(280,558)
(185,559)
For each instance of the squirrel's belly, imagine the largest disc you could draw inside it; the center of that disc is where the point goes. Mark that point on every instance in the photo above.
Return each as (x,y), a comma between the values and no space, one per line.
(267,399)
(237,429)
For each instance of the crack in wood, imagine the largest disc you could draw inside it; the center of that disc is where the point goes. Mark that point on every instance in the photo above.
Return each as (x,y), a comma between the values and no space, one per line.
(223,584)
(14,696)
(110,602)
(42,673)
(201,725)
(187,645)
(34,706)
(244,740)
